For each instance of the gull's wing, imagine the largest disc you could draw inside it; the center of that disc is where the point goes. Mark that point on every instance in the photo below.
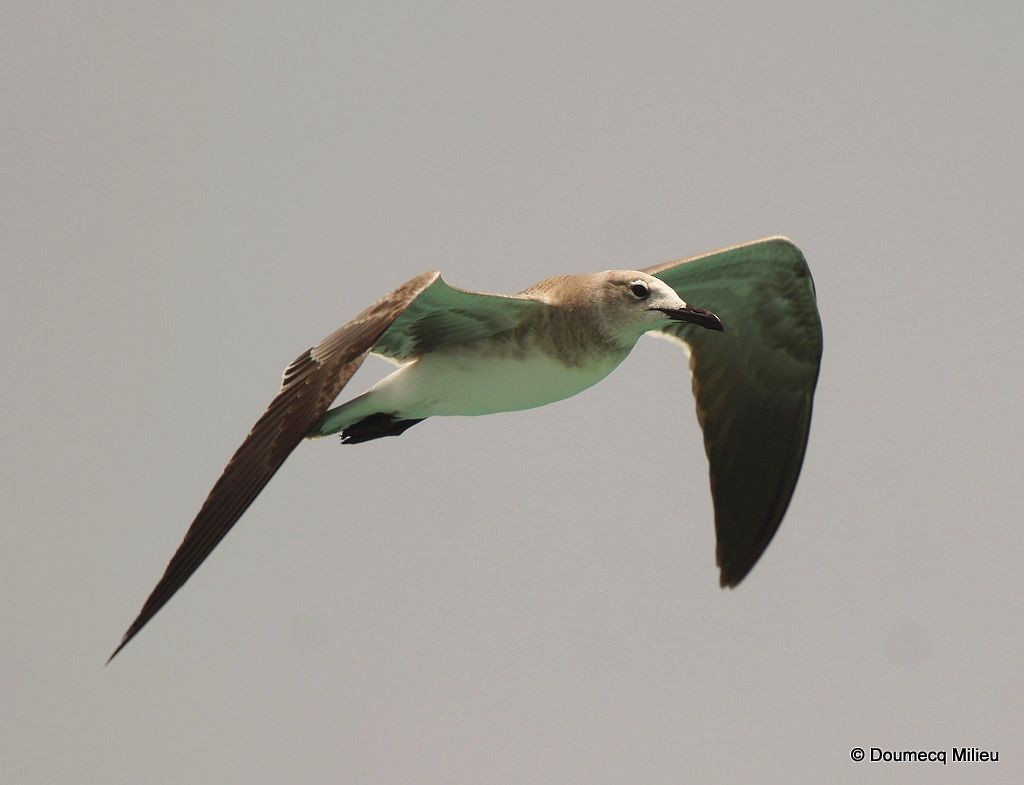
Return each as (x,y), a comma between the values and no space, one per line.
(754,384)
(445,316)
(422,314)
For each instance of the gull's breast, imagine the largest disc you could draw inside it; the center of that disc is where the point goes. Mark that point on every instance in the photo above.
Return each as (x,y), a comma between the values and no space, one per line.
(470,383)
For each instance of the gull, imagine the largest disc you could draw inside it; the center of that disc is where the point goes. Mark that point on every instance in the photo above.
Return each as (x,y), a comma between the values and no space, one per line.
(754,342)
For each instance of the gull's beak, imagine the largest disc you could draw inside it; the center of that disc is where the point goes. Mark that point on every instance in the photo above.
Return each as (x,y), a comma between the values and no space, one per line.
(694,315)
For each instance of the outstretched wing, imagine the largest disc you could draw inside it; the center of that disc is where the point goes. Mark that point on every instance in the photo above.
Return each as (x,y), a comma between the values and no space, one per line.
(422,315)
(310,385)
(754,384)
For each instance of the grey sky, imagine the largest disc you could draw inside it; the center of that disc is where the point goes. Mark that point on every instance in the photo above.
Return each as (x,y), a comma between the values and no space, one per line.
(190,197)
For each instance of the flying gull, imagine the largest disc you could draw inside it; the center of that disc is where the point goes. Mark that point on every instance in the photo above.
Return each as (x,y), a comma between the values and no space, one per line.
(754,343)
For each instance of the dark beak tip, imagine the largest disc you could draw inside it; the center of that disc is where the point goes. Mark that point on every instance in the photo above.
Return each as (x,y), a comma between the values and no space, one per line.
(691,314)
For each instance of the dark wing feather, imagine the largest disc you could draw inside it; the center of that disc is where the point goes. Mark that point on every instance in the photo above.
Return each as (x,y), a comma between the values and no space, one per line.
(309,386)
(754,385)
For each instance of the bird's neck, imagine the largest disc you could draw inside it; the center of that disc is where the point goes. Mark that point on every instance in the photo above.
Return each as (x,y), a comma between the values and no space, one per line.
(579,336)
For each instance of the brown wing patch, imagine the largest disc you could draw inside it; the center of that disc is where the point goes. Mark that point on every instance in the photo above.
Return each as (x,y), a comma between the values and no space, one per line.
(309,385)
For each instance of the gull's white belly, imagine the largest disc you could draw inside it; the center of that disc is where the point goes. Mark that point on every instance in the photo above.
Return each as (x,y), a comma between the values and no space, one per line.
(463,383)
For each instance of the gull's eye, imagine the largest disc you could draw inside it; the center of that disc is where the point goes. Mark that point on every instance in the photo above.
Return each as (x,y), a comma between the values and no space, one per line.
(639,290)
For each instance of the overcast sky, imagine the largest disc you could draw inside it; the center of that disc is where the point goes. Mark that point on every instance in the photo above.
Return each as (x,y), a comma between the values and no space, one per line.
(191,196)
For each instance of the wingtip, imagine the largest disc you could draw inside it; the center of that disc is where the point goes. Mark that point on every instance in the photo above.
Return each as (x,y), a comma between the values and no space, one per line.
(729,574)
(115,654)
(124,642)
(111,657)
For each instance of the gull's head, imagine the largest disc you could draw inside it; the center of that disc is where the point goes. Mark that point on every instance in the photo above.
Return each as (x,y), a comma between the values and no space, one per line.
(633,303)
